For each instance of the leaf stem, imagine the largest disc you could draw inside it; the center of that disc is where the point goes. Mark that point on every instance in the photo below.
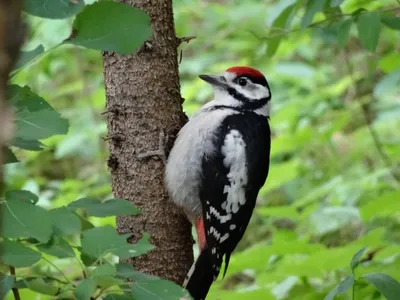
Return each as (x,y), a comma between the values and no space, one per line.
(45,52)
(14,289)
(58,269)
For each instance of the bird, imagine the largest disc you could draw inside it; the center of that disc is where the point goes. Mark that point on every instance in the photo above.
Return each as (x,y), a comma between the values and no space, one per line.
(217,166)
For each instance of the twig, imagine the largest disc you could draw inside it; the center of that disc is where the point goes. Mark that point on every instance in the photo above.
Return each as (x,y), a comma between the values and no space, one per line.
(14,289)
(315,24)
(185,39)
(57,268)
(378,145)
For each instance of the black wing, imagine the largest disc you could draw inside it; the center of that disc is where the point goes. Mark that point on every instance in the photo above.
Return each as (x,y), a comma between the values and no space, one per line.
(228,195)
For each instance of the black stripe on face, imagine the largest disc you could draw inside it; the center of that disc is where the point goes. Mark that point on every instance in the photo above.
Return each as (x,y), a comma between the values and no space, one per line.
(247,103)
(257,80)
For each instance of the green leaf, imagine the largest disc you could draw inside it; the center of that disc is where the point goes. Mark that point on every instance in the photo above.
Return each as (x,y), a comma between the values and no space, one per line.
(21,195)
(86,259)
(341,288)
(355,261)
(9,156)
(104,270)
(39,124)
(385,284)
(369,28)
(106,281)
(387,84)
(312,7)
(53,9)
(57,247)
(18,255)
(391,21)
(108,35)
(118,297)
(382,206)
(157,289)
(141,247)
(24,99)
(126,270)
(283,19)
(65,222)
(109,208)
(85,224)
(22,219)
(35,118)
(40,286)
(345,285)
(21,284)
(389,62)
(6,284)
(28,56)
(344,32)
(85,289)
(32,145)
(335,3)
(98,241)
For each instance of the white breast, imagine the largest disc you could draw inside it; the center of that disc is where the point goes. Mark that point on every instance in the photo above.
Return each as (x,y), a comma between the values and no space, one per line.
(183,171)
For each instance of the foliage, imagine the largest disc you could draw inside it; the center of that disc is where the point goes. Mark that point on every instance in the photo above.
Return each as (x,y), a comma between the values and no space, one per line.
(333,186)
(33,236)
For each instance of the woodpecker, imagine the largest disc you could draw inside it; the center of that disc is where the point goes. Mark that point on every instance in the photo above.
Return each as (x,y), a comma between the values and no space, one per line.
(217,165)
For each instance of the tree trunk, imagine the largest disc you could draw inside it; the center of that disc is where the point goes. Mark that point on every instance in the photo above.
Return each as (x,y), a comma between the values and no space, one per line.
(143,100)
(11,38)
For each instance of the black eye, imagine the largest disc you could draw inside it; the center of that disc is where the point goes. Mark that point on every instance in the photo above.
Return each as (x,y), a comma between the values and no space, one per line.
(242,81)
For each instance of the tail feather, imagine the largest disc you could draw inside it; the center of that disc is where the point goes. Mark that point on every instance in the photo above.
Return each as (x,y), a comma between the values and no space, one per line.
(201,275)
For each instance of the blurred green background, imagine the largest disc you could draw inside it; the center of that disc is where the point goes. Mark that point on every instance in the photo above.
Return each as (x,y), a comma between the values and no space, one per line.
(334,181)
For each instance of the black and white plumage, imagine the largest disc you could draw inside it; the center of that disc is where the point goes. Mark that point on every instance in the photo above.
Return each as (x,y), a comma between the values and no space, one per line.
(217,166)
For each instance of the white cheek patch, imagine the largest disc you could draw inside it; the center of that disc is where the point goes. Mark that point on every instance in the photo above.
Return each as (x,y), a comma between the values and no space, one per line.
(259,92)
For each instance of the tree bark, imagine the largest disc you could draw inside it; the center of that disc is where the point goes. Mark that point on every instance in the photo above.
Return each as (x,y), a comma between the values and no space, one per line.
(143,100)
(11,38)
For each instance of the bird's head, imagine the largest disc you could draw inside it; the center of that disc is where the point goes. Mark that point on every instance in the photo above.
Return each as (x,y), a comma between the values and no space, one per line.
(240,87)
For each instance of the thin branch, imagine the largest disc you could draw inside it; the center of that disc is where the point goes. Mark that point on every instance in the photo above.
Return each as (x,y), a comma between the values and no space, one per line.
(315,24)
(185,39)
(14,289)
(58,269)
(375,137)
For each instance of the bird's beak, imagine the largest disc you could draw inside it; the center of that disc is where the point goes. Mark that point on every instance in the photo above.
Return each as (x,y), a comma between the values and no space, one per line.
(217,81)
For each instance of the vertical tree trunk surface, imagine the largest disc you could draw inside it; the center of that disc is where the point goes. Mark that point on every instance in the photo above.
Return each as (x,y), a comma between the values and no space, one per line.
(143,99)
(11,38)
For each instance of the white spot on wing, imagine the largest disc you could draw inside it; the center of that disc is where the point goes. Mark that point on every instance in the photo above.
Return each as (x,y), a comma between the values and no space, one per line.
(214,232)
(189,274)
(223,205)
(234,152)
(221,218)
(232,226)
(224,237)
